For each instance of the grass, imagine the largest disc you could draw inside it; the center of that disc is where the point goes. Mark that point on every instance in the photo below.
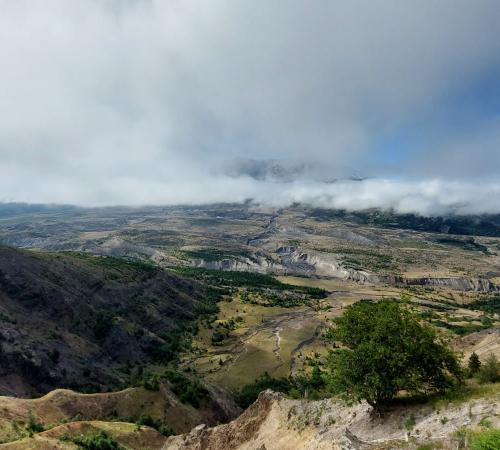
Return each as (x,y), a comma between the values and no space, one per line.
(485,440)
(259,353)
(465,392)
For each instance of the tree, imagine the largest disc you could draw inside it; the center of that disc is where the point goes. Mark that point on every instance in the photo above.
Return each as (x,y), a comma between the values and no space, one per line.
(474,363)
(386,349)
(316,380)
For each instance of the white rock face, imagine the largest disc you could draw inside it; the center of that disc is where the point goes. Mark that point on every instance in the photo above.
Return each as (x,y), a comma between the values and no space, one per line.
(292,261)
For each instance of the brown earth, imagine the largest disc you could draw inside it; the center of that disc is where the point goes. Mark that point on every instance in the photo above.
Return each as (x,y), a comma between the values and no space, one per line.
(276,423)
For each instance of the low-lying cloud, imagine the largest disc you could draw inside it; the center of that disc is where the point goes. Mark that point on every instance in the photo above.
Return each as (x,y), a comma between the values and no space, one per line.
(151,102)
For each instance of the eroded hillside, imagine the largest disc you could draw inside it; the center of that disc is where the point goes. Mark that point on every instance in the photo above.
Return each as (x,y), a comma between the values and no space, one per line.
(277,423)
(74,320)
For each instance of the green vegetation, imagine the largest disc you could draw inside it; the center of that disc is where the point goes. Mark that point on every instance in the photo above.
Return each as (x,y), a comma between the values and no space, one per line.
(33,425)
(214,254)
(255,288)
(464,244)
(430,446)
(474,364)
(489,304)
(249,393)
(98,440)
(486,225)
(266,297)
(223,329)
(179,339)
(490,370)
(387,350)
(310,386)
(122,269)
(148,421)
(245,279)
(410,422)
(362,259)
(188,390)
(461,330)
(485,440)
(229,278)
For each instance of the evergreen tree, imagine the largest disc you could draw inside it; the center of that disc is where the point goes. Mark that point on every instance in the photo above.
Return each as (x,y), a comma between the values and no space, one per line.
(474,364)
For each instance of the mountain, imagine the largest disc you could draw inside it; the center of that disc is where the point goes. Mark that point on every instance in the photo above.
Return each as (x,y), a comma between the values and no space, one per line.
(80,321)
(286,171)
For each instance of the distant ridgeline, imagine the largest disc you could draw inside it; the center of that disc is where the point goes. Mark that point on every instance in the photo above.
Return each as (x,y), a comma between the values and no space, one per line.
(17,209)
(479,225)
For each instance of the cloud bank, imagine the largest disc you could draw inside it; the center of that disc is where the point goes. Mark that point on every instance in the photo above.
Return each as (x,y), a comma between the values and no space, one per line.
(151,102)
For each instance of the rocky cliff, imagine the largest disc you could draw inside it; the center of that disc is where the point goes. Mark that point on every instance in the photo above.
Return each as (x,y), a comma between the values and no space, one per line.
(294,261)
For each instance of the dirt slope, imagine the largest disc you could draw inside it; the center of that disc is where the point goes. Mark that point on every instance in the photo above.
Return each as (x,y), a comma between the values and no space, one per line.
(127,435)
(276,423)
(127,405)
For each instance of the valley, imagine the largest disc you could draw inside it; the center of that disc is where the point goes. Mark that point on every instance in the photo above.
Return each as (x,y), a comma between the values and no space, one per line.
(129,307)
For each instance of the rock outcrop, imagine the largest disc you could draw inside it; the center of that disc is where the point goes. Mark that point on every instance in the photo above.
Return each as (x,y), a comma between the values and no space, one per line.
(294,261)
(456,283)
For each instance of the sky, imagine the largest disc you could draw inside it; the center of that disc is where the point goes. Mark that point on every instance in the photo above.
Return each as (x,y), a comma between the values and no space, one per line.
(339,104)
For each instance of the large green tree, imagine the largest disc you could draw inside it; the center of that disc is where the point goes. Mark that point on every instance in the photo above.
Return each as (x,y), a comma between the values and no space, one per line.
(386,349)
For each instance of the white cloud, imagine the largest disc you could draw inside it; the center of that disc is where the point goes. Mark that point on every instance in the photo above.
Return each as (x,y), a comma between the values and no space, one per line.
(107,102)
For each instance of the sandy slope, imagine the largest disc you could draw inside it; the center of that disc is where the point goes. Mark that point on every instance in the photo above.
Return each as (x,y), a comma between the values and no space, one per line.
(276,423)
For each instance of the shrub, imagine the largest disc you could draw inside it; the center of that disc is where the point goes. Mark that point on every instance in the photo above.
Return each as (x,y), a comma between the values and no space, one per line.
(32,425)
(249,393)
(96,441)
(166,430)
(148,421)
(490,370)
(188,390)
(152,383)
(410,422)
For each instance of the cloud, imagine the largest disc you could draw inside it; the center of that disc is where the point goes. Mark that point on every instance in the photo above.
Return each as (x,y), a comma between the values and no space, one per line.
(107,102)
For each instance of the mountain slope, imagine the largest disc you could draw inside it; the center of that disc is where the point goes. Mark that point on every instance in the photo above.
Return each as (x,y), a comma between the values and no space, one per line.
(73,320)
(128,405)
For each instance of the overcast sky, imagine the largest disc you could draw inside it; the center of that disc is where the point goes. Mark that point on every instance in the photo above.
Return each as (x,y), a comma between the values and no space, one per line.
(150,102)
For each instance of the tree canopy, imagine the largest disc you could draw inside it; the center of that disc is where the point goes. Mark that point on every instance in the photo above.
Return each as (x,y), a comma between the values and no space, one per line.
(386,349)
